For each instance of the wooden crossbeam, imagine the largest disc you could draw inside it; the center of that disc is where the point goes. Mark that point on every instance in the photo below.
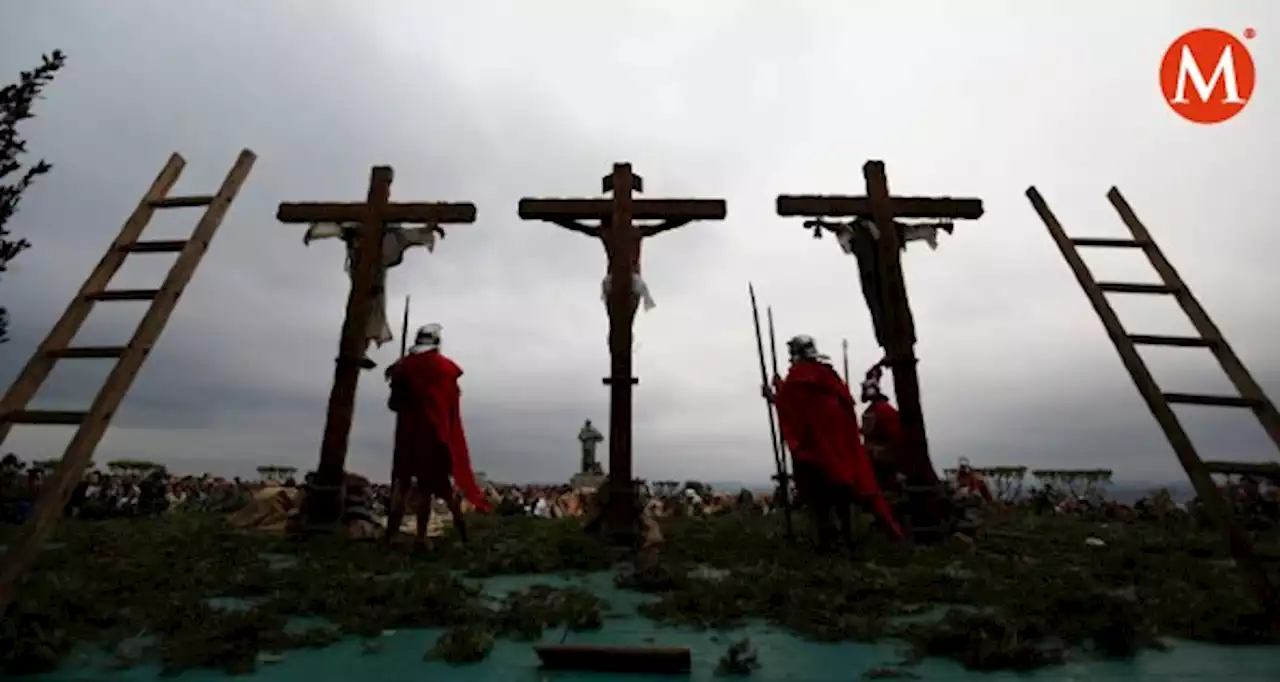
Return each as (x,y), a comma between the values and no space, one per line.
(641,209)
(335,212)
(829,206)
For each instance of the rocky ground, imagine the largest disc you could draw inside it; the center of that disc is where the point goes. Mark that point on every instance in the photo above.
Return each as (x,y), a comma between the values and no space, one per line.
(1027,592)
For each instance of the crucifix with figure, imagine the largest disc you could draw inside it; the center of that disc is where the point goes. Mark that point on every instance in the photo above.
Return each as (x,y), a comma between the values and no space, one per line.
(875,237)
(614,222)
(377,234)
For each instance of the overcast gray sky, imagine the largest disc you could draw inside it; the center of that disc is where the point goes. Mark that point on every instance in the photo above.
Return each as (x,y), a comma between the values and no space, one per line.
(489,101)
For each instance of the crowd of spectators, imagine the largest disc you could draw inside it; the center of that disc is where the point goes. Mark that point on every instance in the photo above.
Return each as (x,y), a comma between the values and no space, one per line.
(141,490)
(118,493)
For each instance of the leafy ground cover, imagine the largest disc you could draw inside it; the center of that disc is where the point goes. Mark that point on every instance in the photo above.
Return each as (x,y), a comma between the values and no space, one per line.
(1028,592)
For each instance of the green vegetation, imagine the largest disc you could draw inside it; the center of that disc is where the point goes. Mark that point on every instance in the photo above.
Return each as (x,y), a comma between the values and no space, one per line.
(1079,482)
(133,466)
(1026,593)
(16,101)
(276,473)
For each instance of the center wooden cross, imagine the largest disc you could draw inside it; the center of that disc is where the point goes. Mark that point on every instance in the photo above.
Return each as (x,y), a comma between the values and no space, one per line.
(899,337)
(616,228)
(373,215)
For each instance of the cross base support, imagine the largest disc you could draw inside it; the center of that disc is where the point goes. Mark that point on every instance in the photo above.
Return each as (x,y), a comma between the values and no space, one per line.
(613,530)
(618,516)
(321,506)
(608,381)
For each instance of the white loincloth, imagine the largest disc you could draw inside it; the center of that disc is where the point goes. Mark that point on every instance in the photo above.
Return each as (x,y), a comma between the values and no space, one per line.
(846,233)
(910,233)
(638,289)
(925,233)
(396,239)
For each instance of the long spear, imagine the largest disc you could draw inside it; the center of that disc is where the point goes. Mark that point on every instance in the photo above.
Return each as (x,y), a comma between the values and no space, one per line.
(773,360)
(405,332)
(782,441)
(779,459)
(844,345)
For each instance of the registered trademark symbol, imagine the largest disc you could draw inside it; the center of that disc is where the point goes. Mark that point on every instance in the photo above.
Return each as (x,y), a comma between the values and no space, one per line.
(1249,33)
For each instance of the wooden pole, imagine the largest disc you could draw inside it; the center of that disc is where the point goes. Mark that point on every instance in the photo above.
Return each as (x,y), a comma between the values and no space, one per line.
(844,347)
(325,505)
(404,328)
(622,492)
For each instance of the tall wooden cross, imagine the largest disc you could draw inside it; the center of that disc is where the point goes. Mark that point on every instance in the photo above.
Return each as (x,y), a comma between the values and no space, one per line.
(373,215)
(899,336)
(616,228)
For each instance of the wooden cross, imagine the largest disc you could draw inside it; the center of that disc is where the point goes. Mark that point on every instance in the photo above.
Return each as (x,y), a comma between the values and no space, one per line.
(899,339)
(373,215)
(622,237)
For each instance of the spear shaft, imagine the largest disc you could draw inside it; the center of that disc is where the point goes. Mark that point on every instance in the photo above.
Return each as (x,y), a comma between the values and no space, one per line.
(779,456)
(773,359)
(844,345)
(404,328)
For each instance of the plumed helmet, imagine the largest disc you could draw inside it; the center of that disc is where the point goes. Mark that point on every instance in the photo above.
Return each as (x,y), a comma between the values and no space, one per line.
(871,385)
(802,346)
(428,336)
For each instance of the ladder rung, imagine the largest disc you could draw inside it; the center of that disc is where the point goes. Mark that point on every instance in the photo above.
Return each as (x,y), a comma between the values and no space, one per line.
(88,352)
(124,295)
(1210,400)
(1128,288)
(58,417)
(1106,241)
(1244,468)
(1177,341)
(156,246)
(183,202)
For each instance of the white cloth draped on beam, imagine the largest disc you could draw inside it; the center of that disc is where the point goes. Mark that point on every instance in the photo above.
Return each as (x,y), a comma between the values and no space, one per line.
(396,239)
(638,289)
(927,233)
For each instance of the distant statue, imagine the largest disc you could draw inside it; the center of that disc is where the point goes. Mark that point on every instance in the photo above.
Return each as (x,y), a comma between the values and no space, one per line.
(590,437)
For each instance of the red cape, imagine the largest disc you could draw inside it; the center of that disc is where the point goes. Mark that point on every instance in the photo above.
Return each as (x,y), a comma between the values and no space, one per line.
(886,425)
(820,424)
(815,412)
(435,402)
(974,482)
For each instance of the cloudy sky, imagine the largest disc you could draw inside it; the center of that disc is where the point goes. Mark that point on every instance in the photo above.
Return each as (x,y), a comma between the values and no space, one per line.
(489,101)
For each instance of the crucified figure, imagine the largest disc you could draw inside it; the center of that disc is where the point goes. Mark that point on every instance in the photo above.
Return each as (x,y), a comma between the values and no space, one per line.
(858,237)
(396,239)
(617,245)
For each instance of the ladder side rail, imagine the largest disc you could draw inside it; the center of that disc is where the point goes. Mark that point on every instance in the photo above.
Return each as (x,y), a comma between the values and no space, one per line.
(1241,548)
(1231,364)
(53,498)
(38,367)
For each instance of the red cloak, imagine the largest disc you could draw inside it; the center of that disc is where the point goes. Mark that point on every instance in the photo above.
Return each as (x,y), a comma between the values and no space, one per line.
(820,424)
(886,425)
(425,388)
(972,481)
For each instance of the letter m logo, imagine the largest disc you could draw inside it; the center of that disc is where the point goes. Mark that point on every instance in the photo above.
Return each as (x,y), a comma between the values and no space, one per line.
(1217,96)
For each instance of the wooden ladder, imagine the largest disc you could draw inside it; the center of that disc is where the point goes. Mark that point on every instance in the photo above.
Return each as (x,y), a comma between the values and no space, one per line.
(1250,395)
(56,346)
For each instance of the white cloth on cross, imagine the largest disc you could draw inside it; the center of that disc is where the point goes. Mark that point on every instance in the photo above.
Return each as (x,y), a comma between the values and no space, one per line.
(396,239)
(927,233)
(845,233)
(638,289)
